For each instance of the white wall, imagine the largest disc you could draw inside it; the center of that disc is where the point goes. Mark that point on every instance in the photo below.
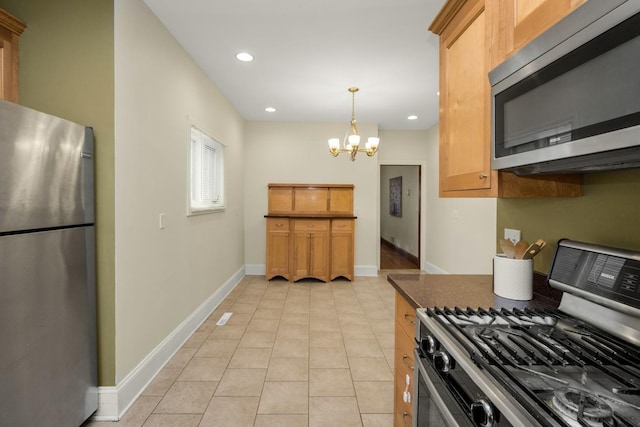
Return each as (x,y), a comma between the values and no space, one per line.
(461,232)
(401,231)
(458,234)
(298,153)
(162,276)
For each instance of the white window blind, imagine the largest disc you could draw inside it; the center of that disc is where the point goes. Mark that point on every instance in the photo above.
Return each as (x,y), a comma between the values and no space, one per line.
(207,173)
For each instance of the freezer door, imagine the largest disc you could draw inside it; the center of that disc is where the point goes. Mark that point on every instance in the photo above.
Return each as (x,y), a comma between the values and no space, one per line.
(48,363)
(46,173)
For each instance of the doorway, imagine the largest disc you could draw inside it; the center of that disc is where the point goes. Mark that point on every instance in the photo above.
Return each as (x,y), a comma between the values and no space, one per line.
(400,214)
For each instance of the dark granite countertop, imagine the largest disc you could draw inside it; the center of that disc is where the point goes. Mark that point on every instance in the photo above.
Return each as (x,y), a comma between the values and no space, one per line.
(462,290)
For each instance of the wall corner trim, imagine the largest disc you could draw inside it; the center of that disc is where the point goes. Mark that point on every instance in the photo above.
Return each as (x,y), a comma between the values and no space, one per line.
(432,269)
(366,270)
(113,402)
(255,269)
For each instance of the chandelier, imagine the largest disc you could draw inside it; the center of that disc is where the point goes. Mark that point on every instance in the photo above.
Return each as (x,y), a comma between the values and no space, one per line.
(351,141)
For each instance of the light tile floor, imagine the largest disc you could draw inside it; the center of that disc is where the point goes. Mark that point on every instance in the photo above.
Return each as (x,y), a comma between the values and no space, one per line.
(292,354)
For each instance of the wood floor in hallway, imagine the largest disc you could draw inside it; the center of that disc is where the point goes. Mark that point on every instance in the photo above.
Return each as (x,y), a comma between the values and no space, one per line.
(392,258)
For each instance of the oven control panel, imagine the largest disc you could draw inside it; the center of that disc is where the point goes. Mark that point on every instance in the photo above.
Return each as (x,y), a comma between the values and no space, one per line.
(609,273)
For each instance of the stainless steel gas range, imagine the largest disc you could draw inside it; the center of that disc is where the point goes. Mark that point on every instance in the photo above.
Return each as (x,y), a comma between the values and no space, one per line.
(577,365)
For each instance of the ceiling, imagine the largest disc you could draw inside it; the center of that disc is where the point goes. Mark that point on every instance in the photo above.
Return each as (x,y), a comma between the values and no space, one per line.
(308,53)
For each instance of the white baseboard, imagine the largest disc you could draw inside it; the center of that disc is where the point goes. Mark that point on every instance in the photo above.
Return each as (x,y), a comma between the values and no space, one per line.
(113,402)
(365,270)
(432,269)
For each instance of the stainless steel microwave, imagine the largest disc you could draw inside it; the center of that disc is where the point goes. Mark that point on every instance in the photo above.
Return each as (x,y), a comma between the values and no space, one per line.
(569,101)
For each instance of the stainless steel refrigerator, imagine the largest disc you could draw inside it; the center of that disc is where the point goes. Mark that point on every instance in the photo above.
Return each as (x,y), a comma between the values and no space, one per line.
(48,350)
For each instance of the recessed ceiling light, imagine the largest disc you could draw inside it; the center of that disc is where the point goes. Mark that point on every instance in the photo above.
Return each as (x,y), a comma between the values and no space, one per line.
(270,109)
(244,57)
(412,117)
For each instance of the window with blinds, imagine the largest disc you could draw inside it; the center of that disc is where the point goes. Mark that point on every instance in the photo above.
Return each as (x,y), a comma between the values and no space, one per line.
(207,173)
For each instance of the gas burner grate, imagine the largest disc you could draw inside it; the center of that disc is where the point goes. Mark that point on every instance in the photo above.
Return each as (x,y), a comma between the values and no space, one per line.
(521,347)
(582,406)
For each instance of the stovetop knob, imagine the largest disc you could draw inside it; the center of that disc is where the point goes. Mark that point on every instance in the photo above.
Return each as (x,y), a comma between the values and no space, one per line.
(442,361)
(483,413)
(430,344)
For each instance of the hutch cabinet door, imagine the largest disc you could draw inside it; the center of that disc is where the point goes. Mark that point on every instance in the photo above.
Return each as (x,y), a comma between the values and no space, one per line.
(277,248)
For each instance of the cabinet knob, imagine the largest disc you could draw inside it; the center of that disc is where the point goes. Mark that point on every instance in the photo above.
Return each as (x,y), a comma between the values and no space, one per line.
(409,318)
(406,418)
(406,361)
(483,176)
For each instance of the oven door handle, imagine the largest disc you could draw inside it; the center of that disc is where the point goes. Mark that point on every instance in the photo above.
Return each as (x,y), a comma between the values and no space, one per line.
(434,394)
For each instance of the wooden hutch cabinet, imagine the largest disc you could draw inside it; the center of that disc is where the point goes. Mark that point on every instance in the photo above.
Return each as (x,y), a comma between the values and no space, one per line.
(310,231)
(10,30)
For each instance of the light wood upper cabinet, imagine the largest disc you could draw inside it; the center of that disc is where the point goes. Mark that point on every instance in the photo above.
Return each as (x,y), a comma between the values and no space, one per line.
(280,199)
(341,200)
(311,200)
(10,30)
(517,22)
(464,114)
(532,17)
(475,36)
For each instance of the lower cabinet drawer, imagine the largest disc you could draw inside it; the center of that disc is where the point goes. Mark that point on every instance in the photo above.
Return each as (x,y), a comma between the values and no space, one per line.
(404,372)
(277,224)
(403,418)
(342,225)
(405,315)
(311,225)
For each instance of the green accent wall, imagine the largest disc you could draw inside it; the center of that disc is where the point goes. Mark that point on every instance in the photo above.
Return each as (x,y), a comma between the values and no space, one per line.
(607,214)
(67,69)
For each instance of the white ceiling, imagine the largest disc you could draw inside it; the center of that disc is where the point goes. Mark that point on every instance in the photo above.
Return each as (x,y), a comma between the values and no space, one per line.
(309,52)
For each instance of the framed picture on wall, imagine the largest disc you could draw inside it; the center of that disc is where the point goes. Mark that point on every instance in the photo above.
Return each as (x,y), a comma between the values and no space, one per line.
(395,196)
